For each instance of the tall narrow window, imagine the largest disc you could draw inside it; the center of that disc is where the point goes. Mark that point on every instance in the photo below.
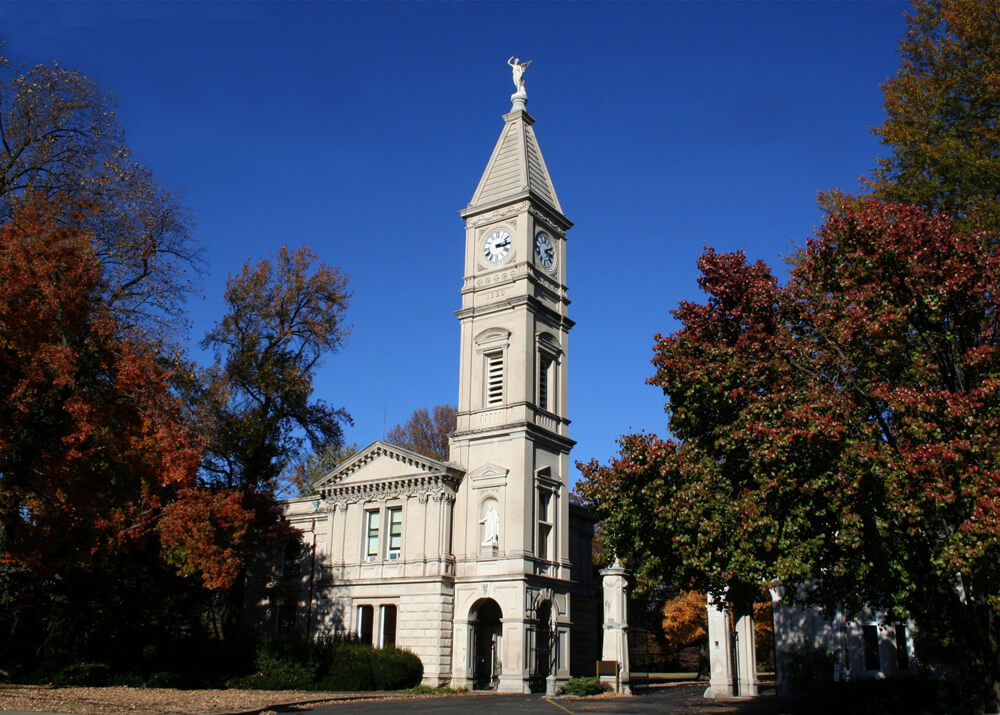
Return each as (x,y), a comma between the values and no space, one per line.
(544,366)
(494,378)
(870,637)
(395,532)
(371,542)
(366,623)
(388,626)
(544,525)
(902,648)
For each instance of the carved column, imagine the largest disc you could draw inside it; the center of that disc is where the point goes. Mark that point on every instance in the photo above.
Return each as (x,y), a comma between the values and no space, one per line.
(330,508)
(615,635)
(746,655)
(339,531)
(720,652)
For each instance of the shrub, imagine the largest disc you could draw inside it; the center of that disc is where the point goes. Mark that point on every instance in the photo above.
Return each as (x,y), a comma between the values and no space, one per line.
(350,668)
(809,673)
(395,669)
(274,673)
(93,674)
(583,686)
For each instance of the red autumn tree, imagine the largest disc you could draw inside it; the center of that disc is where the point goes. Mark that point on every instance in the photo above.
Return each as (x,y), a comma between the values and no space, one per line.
(92,442)
(426,433)
(838,433)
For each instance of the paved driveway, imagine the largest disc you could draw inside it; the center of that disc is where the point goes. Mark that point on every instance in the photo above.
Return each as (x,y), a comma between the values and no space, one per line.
(681,699)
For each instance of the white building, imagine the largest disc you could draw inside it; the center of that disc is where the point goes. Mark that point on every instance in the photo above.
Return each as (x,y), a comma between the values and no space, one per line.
(856,648)
(481,566)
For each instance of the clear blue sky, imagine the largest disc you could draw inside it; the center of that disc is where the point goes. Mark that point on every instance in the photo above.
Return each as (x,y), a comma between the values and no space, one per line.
(362,128)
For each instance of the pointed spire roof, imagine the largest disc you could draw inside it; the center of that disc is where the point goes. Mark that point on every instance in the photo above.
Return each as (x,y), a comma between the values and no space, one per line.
(516,168)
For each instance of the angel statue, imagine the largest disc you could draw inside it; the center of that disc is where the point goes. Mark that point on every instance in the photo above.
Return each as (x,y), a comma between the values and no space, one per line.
(517,69)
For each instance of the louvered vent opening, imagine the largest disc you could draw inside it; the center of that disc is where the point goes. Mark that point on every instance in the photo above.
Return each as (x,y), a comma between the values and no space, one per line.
(494,378)
(544,364)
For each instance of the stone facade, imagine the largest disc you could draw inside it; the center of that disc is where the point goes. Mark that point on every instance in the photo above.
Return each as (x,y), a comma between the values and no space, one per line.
(479,565)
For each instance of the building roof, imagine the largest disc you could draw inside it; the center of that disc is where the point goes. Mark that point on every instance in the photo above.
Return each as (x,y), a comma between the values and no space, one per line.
(516,166)
(380,462)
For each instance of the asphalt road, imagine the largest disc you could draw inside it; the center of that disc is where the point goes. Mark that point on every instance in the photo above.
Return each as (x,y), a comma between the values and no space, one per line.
(680,699)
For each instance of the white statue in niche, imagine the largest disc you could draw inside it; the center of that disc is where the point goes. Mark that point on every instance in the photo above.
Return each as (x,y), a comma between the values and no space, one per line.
(491,535)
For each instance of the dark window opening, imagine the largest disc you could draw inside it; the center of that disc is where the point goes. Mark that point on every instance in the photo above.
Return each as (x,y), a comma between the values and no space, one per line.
(870,635)
(388,626)
(902,648)
(366,623)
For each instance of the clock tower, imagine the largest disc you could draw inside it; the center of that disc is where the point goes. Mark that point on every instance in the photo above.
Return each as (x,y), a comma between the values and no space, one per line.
(511,523)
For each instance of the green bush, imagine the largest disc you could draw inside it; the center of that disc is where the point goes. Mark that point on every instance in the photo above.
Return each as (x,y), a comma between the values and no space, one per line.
(92,674)
(809,673)
(350,668)
(871,696)
(395,669)
(329,663)
(583,686)
(274,673)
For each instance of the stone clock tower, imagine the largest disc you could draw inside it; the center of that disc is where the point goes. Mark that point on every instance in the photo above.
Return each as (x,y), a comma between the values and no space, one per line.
(479,565)
(511,520)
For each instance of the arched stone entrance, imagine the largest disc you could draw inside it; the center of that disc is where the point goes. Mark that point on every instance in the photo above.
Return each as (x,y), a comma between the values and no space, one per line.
(485,635)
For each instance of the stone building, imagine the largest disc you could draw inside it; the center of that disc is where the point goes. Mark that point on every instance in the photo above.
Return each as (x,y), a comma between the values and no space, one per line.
(480,565)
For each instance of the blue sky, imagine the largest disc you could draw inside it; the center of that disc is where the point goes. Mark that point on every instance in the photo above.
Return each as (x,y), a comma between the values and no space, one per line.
(362,129)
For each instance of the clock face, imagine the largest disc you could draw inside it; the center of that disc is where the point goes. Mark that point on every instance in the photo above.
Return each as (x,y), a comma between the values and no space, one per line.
(544,250)
(496,246)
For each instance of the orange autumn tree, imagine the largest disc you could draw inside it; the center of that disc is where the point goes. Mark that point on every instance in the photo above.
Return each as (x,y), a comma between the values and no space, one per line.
(93,444)
(685,623)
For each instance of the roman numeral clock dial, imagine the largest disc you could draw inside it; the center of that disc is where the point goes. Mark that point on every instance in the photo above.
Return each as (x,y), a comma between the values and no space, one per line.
(544,250)
(496,246)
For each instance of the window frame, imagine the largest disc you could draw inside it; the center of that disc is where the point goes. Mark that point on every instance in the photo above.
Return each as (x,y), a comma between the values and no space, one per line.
(384,610)
(372,532)
(393,511)
(871,647)
(494,374)
(545,523)
(361,630)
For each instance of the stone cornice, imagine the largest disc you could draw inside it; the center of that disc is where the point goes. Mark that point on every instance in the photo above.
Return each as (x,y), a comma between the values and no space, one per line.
(437,487)
(545,210)
(552,317)
(417,461)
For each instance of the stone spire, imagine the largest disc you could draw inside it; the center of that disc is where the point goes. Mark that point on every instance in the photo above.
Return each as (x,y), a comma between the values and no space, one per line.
(516,169)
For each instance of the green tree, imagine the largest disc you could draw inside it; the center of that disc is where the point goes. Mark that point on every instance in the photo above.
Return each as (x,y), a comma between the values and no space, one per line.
(284,316)
(941,112)
(425,433)
(838,434)
(306,472)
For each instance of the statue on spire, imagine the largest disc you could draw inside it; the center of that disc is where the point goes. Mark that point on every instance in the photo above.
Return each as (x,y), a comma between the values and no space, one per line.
(517,69)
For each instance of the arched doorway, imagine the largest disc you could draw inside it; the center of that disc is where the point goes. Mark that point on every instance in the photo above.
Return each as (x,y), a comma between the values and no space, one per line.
(486,619)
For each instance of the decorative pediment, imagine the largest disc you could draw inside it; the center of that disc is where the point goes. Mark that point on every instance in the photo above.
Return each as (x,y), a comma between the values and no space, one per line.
(489,475)
(548,343)
(382,462)
(544,478)
(492,338)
